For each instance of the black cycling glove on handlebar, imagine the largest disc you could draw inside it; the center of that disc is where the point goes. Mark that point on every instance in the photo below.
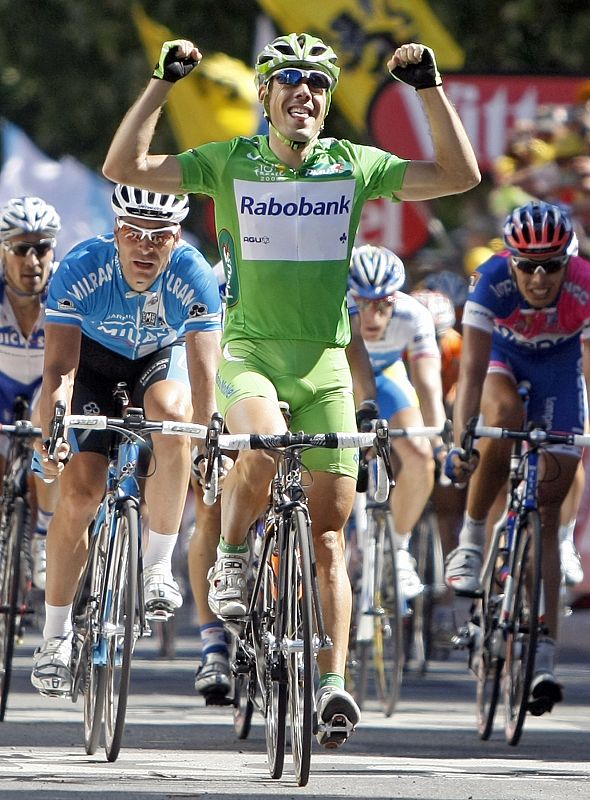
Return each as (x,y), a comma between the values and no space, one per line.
(170,67)
(424,75)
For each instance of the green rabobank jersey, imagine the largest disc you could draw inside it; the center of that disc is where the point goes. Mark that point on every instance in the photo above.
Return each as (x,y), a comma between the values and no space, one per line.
(285,236)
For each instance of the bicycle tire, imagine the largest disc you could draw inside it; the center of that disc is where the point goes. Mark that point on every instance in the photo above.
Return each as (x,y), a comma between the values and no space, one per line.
(427,550)
(388,634)
(274,666)
(10,556)
(362,624)
(299,613)
(521,641)
(243,706)
(490,661)
(123,618)
(95,673)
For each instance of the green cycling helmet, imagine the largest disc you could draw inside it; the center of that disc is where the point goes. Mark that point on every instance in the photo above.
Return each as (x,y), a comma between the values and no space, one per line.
(296,50)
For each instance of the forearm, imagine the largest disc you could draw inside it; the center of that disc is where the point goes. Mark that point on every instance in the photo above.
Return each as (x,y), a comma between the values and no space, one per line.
(128,160)
(57,387)
(203,359)
(453,151)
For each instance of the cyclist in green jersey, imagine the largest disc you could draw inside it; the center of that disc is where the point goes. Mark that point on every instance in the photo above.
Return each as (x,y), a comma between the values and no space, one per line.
(287,207)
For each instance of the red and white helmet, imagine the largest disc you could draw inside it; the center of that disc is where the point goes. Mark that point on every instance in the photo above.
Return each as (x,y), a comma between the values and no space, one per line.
(538,231)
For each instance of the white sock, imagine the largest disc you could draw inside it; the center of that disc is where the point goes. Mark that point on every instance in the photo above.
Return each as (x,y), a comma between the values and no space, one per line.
(58,621)
(566,531)
(159,549)
(473,532)
(402,540)
(545,655)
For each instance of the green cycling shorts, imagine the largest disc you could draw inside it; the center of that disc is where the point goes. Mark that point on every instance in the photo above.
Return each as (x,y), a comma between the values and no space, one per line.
(314,378)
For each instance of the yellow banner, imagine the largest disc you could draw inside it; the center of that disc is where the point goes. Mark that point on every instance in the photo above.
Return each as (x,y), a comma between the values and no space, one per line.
(215,102)
(364,34)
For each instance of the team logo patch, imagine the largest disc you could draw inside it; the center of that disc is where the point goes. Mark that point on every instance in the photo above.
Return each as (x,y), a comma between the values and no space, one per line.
(198,310)
(65,304)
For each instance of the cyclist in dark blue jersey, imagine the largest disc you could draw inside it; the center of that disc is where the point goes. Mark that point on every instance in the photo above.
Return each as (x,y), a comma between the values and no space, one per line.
(140,306)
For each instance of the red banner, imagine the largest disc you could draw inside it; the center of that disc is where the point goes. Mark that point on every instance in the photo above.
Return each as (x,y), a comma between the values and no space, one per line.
(488,106)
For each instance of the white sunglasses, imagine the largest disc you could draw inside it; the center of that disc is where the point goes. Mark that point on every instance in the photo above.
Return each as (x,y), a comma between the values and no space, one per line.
(157,236)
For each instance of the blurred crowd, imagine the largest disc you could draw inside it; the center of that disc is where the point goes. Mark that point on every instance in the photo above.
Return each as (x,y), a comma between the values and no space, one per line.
(546,158)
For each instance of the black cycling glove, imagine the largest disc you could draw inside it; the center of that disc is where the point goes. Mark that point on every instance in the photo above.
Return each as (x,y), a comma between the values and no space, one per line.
(170,67)
(424,75)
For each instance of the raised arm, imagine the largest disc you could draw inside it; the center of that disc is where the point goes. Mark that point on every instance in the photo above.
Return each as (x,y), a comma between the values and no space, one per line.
(128,159)
(454,169)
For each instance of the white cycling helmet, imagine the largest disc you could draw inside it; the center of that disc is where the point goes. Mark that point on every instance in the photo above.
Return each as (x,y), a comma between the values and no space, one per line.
(128,201)
(375,272)
(28,215)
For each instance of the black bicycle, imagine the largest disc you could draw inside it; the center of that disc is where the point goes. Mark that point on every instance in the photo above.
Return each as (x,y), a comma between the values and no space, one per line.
(15,542)
(276,644)
(109,613)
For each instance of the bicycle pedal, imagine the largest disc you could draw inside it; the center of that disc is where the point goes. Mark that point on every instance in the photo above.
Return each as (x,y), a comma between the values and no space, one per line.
(158,614)
(217,699)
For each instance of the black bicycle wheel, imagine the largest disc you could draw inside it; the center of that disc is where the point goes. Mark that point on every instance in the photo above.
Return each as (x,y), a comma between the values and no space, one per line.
(11,533)
(427,550)
(362,619)
(388,632)
(273,625)
(123,622)
(521,641)
(93,672)
(299,612)
(489,649)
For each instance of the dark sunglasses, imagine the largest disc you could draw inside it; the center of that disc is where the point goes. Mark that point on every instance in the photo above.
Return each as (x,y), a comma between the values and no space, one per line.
(294,77)
(23,249)
(549,267)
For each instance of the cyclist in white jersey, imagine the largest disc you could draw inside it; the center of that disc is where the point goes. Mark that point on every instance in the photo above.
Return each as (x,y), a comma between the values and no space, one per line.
(395,325)
(288,204)
(28,227)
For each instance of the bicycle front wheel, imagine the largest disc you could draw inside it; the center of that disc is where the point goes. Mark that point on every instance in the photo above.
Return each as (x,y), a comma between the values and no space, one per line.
(11,533)
(388,631)
(122,625)
(92,660)
(273,626)
(427,549)
(521,641)
(489,649)
(299,639)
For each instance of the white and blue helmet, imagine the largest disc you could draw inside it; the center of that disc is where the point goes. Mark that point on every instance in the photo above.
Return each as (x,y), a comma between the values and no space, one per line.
(375,272)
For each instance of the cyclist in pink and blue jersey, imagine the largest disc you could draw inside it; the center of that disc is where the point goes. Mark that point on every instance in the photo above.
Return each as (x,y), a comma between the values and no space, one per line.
(527,310)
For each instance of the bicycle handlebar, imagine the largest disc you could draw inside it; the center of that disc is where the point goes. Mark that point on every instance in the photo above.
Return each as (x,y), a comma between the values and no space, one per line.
(22,428)
(535,436)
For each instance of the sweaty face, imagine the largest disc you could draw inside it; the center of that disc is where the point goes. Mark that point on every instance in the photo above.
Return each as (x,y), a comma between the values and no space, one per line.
(27,259)
(296,111)
(143,259)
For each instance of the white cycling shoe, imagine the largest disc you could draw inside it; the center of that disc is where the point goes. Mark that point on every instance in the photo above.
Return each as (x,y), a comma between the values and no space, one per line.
(160,590)
(52,675)
(463,569)
(337,714)
(228,589)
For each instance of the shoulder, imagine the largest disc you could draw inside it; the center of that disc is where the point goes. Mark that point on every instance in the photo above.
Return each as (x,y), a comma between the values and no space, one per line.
(92,253)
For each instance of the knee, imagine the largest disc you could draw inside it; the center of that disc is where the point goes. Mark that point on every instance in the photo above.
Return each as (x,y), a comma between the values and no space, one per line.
(418,460)
(79,503)
(255,468)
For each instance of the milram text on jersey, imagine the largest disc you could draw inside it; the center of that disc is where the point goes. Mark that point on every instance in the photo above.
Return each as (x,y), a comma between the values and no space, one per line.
(89,291)
(285,236)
